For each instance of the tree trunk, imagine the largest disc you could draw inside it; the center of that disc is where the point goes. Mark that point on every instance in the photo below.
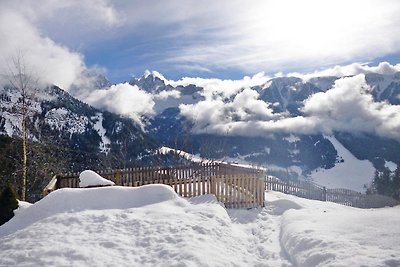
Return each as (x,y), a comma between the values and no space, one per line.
(24,158)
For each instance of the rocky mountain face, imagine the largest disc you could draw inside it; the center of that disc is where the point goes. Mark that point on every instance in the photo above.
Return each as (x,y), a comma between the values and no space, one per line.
(58,118)
(65,134)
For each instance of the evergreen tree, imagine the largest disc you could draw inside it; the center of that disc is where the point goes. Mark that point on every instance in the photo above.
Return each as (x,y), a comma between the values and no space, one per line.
(396,182)
(8,203)
(386,183)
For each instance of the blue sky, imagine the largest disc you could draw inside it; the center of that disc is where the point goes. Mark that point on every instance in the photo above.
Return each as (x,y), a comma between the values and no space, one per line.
(221,39)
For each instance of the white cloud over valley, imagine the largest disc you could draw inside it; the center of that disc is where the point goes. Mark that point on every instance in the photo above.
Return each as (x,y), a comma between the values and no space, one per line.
(123,99)
(223,88)
(348,106)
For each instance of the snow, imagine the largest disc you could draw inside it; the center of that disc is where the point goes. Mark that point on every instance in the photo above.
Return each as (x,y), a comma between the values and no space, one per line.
(90,178)
(154,74)
(326,234)
(351,174)
(21,206)
(391,165)
(9,102)
(152,226)
(381,82)
(98,126)
(71,122)
(292,138)
(12,123)
(238,161)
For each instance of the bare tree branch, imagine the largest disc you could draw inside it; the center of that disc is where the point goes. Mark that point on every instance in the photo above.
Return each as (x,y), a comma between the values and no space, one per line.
(25,83)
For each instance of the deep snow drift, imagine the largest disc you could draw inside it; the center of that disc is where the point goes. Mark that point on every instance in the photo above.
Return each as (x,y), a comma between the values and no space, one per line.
(152,226)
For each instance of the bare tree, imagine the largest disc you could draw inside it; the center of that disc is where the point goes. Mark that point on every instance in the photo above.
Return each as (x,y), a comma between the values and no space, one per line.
(22,80)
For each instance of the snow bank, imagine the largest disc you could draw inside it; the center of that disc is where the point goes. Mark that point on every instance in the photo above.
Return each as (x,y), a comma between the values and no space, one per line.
(90,178)
(152,226)
(327,234)
(21,206)
(168,233)
(70,200)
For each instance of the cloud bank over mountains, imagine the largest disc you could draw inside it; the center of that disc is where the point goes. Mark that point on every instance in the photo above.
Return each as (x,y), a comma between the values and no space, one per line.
(348,107)
(234,107)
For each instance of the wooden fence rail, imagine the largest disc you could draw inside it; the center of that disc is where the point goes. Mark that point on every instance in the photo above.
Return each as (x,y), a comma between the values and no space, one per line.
(235,186)
(342,196)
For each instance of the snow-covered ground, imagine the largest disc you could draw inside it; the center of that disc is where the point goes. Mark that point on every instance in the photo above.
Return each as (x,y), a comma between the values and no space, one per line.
(153,226)
(239,161)
(352,173)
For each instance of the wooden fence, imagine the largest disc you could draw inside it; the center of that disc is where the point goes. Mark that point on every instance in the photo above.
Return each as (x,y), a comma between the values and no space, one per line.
(235,186)
(342,196)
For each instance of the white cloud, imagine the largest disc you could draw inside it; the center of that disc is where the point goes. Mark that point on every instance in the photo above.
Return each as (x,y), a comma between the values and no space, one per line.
(22,28)
(89,11)
(351,70)
(348,106)
(51,62)
(74,23)
(123,99)
(222,88)
(275,35)
(163,95)
(216,115)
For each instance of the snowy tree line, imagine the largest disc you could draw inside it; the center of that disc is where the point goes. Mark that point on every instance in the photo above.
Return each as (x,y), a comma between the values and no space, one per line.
(386,183)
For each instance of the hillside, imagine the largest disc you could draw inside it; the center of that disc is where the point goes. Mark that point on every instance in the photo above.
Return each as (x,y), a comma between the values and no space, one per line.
(152,226)
(64,135)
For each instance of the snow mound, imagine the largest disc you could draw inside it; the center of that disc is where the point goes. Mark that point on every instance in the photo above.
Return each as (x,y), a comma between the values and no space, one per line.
(90,178)
(152,226)
(21,206)
(280,206)
(208,198)
(69,200)
(342,236)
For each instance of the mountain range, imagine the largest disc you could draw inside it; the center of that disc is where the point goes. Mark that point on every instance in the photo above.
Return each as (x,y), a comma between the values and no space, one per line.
(282,149)
(107,139)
